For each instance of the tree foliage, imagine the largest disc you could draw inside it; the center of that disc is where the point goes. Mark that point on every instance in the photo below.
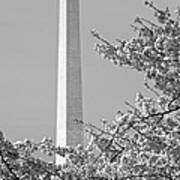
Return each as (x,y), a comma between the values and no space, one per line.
(140,144)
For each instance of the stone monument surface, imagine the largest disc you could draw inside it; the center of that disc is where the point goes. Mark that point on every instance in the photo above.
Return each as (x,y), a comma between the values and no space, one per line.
(69,92)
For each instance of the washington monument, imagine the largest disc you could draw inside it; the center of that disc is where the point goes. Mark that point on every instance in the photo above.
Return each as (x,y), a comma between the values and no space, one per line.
(69,96)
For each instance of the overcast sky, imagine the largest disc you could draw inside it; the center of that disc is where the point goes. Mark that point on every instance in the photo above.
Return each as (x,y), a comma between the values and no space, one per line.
(28,63)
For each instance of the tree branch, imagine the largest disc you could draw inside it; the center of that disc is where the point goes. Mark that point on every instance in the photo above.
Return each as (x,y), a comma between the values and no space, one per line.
(14,176)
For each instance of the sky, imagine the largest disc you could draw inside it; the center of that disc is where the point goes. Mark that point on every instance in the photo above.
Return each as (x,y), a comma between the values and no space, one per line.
(28,63)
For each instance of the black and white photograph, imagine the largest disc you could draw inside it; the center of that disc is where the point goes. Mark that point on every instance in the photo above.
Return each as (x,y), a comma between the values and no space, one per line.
(89,89)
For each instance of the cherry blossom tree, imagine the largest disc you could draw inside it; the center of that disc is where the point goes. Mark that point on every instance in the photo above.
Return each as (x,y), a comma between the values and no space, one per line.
(140,144)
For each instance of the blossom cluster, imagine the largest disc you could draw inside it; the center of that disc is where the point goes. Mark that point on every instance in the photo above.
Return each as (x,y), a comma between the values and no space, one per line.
(155,50)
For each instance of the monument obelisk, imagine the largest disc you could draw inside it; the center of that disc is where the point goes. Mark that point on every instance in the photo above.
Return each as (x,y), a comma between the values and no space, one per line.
(69,94)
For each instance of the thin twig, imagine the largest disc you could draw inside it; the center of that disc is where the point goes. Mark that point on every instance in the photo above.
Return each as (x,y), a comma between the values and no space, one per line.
(151,89)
